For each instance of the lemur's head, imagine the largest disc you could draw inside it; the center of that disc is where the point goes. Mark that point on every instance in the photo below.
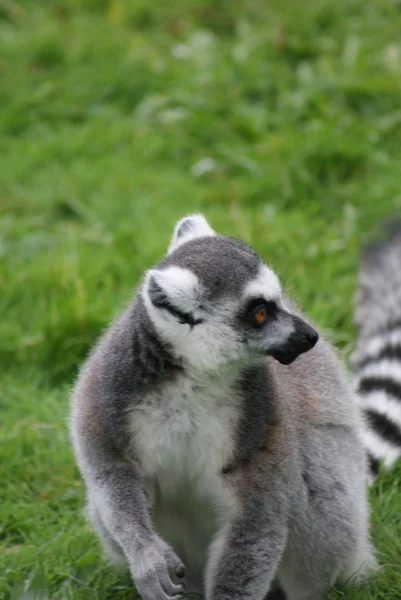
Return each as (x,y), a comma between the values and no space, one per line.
(215,301)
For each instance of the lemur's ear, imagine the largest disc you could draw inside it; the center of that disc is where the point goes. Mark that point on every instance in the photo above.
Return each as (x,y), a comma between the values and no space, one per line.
(174,291)
(189,228)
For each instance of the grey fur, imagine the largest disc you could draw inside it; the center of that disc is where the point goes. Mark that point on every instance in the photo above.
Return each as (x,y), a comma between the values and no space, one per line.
(378,306)
(376,361)
(196,445)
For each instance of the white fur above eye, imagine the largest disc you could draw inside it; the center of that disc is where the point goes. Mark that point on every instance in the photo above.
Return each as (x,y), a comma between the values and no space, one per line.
(266,285)
(189,228)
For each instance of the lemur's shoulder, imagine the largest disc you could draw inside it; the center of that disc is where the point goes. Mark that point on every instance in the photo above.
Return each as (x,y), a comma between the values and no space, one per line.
(320,384)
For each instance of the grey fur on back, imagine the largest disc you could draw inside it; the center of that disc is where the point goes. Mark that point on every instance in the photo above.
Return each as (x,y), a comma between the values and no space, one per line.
(377,359)
(216,432)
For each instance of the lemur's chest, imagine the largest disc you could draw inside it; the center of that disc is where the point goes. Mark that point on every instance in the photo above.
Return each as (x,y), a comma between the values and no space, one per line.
(183,439)
(184,436)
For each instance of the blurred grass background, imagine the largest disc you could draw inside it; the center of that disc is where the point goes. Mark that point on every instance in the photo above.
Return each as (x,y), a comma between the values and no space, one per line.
(280,120)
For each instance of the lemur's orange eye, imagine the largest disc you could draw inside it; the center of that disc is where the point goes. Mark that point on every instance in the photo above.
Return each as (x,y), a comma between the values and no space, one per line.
(260,316)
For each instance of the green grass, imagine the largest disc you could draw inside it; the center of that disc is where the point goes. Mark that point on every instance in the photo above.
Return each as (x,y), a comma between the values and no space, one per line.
(281,121)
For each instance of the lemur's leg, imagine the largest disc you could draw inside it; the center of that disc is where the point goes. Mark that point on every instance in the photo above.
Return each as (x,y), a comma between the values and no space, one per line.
(112,549)
(246,553)
(327,537)
(119,505)
(122,506)
(244,560)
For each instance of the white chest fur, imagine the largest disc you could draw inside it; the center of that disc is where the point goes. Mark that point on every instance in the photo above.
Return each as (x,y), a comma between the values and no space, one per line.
(183,438)
(185,434)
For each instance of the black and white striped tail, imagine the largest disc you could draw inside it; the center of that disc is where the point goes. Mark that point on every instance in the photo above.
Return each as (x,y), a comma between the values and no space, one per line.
(377,359)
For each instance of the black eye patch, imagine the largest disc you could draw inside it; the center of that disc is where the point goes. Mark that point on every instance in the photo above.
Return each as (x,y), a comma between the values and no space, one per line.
(256,304)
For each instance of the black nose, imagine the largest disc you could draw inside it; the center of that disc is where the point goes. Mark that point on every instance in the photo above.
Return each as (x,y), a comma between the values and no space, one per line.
(311,336)
(304,334)
(302,339)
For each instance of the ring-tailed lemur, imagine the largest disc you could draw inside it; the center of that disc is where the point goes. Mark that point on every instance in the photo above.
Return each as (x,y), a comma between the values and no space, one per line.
(202,443)
(377,359)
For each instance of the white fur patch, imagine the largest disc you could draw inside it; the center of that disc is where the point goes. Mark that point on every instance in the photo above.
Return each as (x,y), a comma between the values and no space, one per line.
(386,368)
(208,345)
(382,403)
(380,448)
(195,226)
(181,287)
(266,285)
(182,439)
(375,345)
(215,552)
(186,431)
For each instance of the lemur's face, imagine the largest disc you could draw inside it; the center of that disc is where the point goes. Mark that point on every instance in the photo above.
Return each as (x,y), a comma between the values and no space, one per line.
(215,302)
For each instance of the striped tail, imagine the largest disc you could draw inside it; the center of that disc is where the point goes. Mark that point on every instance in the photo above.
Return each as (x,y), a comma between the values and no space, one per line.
(376,361)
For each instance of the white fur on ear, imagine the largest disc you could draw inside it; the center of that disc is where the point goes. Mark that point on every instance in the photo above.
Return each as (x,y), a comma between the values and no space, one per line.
(175,286)
(189,228)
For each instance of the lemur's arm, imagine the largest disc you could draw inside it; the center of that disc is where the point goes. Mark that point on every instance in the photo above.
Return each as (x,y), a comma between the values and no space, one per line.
(245,556)
(153,564)
(116,490)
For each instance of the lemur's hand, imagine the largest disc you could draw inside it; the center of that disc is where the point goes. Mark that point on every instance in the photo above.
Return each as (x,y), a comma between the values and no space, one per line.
(159,575)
